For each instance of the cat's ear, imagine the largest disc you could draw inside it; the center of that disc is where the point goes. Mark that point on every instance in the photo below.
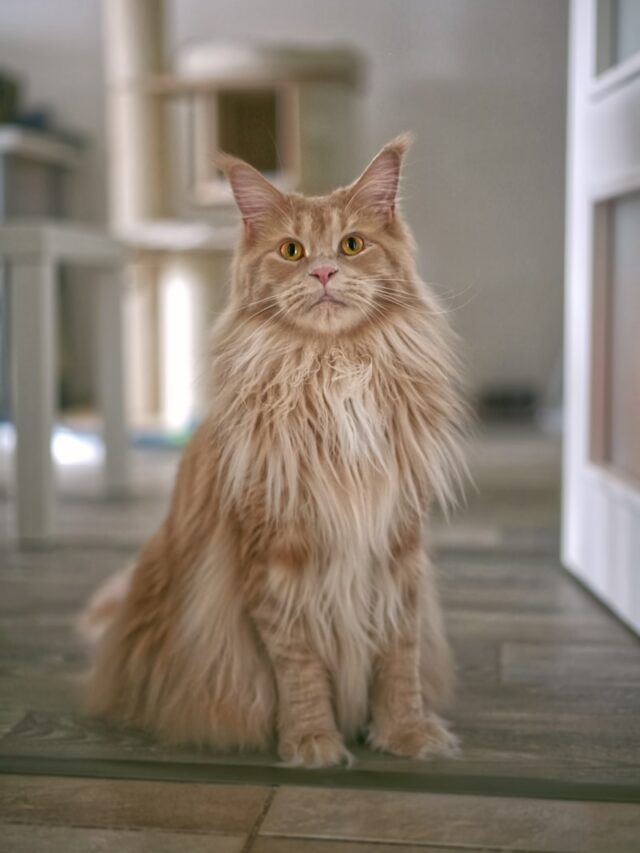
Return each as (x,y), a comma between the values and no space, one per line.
(257,199)
(377,187)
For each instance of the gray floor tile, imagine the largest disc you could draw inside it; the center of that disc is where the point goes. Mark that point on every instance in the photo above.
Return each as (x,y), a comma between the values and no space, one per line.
(116,804)
(538,663)
(63,839)
(514,824)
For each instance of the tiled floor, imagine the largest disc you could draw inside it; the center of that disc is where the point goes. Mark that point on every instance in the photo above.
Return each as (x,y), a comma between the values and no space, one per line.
(51,814)
(548,707)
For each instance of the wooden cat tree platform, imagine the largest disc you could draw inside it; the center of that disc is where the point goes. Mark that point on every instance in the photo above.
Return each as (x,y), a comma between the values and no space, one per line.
(293,112)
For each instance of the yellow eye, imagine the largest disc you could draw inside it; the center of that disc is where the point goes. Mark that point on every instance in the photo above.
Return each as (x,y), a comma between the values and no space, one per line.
(352,244)
(291,250)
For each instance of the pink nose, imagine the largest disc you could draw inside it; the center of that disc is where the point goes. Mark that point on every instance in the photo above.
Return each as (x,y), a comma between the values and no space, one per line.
(324,273)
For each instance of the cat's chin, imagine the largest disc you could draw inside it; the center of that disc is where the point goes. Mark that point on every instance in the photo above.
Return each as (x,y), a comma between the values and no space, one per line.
(329,317)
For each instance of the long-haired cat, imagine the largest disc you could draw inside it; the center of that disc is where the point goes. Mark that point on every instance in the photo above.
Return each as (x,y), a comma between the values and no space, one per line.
(288,592)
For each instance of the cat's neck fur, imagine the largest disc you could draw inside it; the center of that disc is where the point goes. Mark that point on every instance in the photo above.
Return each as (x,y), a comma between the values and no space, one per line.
(332,414)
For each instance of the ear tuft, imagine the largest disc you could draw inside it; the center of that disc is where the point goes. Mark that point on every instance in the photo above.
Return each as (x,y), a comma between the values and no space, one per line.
(256,198)
(377,186)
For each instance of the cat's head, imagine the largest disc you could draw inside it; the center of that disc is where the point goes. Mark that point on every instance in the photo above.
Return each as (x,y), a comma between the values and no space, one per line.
(328,264)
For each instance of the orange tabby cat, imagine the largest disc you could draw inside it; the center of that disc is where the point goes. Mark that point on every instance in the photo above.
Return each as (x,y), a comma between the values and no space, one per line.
(288,591)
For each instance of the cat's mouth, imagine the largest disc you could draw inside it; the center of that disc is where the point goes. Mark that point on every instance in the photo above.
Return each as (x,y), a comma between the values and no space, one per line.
(330,299)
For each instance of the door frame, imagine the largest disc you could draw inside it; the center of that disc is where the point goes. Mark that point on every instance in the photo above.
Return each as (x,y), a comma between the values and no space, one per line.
(601,506)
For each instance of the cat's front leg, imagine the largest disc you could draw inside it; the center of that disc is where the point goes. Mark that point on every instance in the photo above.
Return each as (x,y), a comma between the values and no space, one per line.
(307,731)
(400,722)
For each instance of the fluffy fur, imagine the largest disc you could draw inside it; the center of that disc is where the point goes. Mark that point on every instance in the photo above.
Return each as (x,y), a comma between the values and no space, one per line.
(288,591)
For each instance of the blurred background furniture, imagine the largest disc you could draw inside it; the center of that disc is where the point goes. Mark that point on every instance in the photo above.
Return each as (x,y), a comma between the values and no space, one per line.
(291,111)
(36,171)
(31,253)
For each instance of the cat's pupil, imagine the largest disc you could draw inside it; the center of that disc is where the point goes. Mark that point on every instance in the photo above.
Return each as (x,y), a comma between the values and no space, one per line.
(291,249)
(351,242)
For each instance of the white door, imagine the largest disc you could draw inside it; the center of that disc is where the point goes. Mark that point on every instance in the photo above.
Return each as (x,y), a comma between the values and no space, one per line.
(601,504)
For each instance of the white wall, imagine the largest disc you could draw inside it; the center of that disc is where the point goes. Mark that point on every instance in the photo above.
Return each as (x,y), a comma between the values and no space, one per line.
(480,82)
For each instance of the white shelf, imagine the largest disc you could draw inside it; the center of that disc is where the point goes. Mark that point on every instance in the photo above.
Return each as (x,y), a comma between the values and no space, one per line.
(33,145)
(177,236)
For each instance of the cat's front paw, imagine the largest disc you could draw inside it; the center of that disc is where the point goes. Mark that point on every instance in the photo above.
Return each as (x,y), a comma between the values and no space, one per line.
(428,737)
(322,749)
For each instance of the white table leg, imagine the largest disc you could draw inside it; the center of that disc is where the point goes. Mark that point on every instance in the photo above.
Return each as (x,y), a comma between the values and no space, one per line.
(33,350)
(110,365)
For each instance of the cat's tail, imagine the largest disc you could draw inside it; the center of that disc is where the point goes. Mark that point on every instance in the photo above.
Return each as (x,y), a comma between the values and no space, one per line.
(103,606)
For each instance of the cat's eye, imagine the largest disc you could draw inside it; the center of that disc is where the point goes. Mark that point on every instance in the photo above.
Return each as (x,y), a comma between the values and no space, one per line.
(353,244)
(292,250)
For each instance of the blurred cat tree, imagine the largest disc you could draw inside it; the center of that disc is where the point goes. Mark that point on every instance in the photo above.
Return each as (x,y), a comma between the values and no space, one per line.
(292,112)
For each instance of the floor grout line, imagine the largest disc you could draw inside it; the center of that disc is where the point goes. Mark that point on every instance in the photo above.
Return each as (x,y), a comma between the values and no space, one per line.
(51,823)
(255,829)
(402,845)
